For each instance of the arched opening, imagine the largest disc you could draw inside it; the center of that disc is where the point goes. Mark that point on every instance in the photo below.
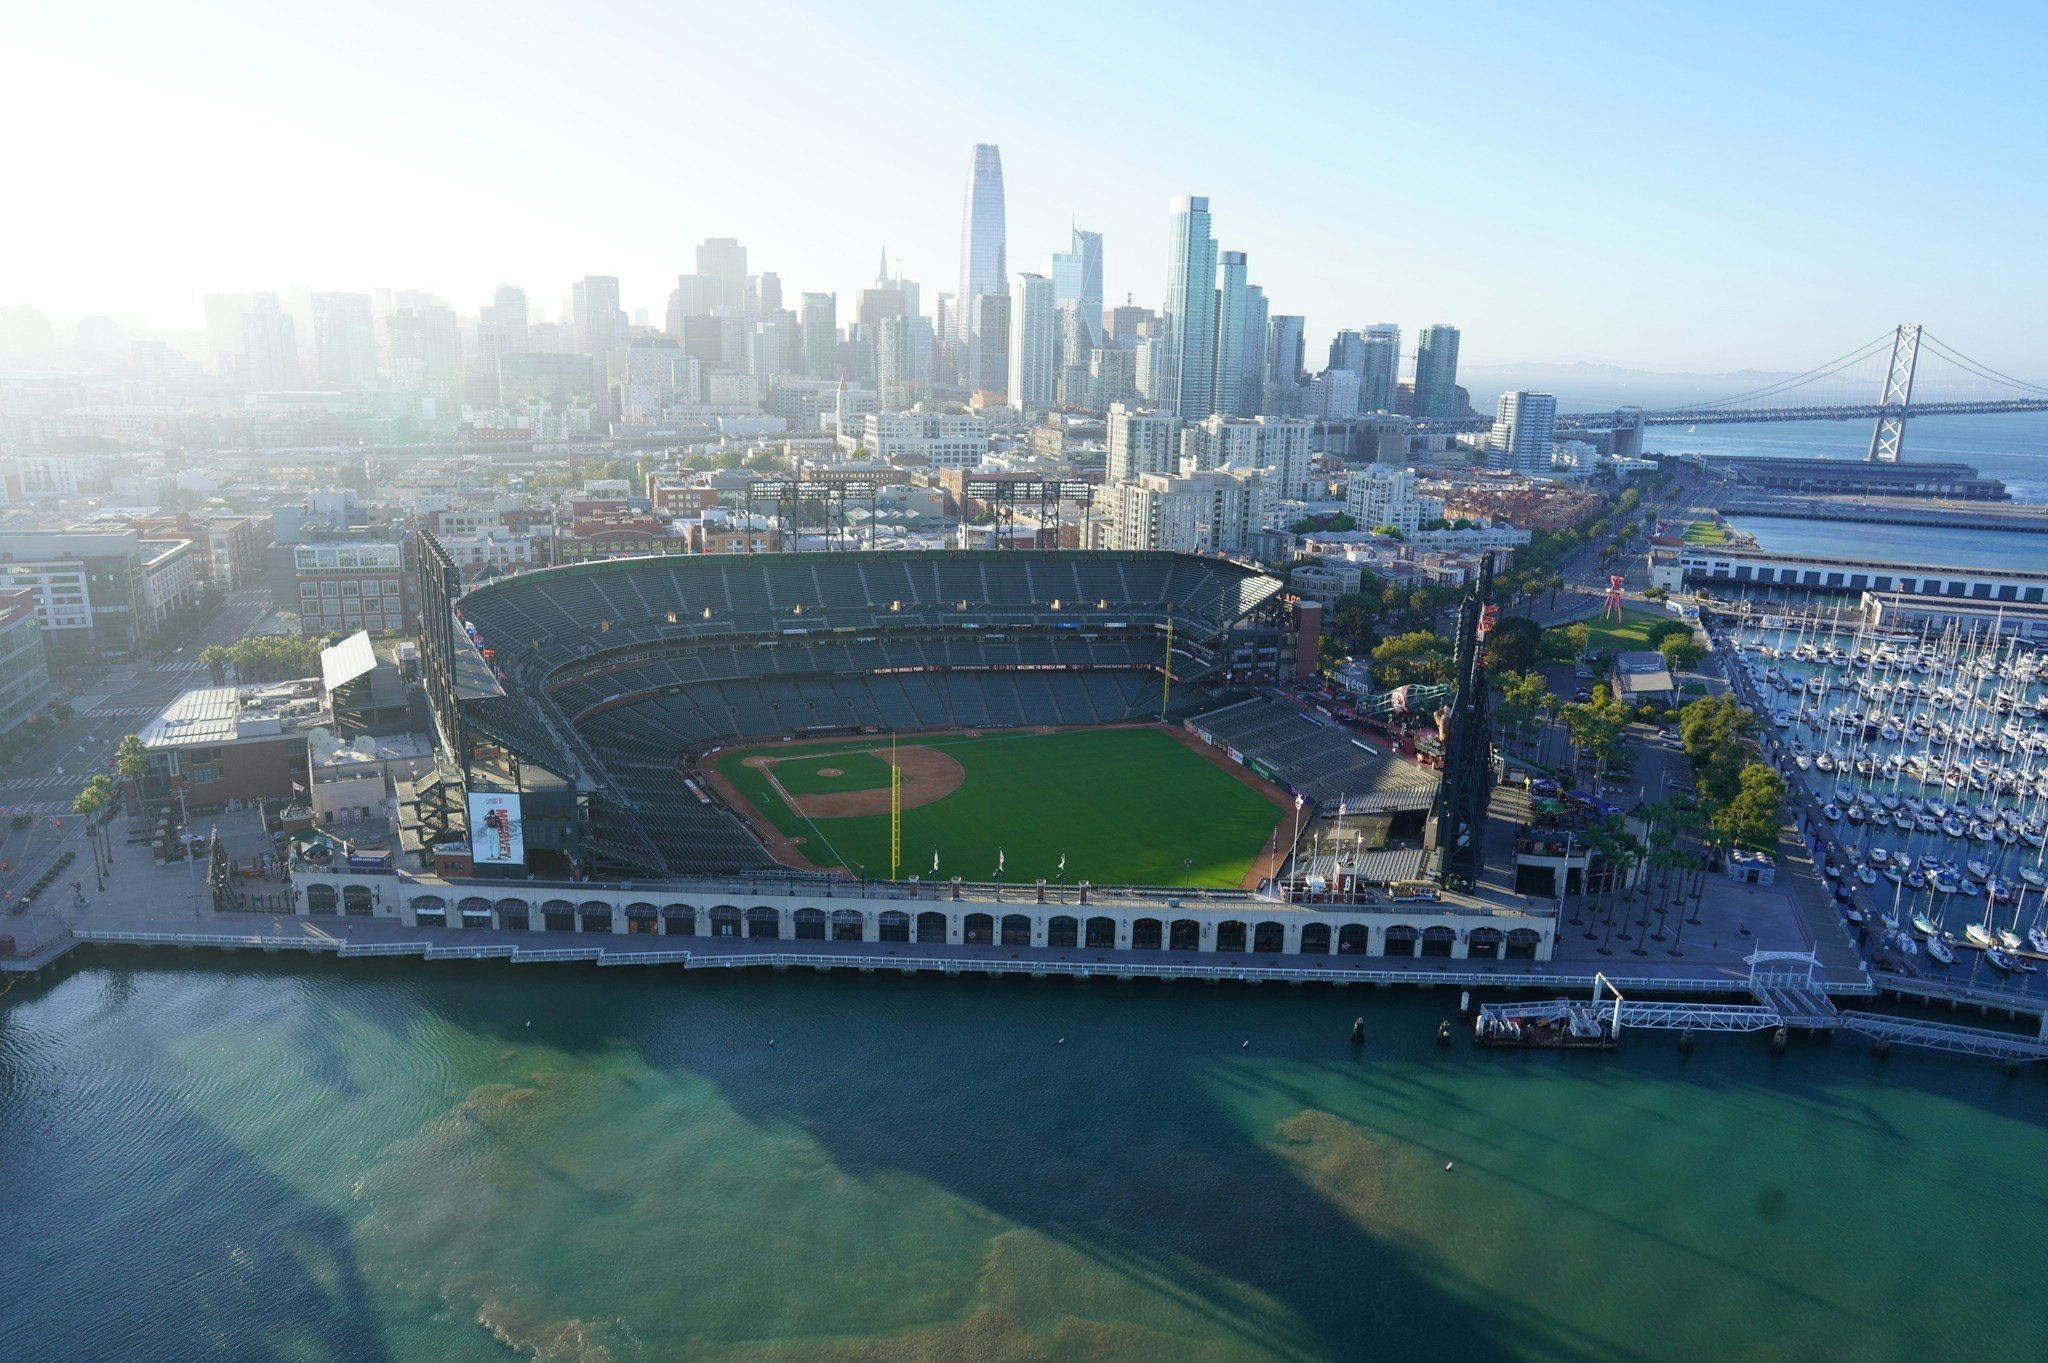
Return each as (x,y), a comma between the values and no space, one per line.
(1016,930)
(725,920)
(474,911)
(356,902)
(1315,939)
(558,915)
(1403,939)
(1063,930)
(322,899)
(1437,941)
(1231,935)
(594,915)
(1101,932)
(514,914)
(1484,943)
(979,929)
(1522,944)
(679,920)
(893,926)
(1353,940)
(763,921)
(931,926)
(1145,934)
(642,917)
(1184,934)
(848,925)
(428,910)
(810,925)
(1269,936)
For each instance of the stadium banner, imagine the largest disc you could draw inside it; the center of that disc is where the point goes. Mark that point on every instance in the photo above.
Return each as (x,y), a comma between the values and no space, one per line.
(1262,769)
(497,836)
(1234,755)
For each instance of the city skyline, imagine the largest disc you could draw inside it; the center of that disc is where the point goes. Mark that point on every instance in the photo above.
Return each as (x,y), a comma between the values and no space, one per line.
(1620,222)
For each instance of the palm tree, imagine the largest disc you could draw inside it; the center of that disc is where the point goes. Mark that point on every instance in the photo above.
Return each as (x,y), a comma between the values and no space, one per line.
(216,660)
(92,800)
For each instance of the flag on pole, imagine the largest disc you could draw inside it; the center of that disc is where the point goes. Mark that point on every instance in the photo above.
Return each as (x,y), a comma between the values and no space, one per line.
(1297,802)
(935,861)
(999,861)
(1063,862)
(1341,810)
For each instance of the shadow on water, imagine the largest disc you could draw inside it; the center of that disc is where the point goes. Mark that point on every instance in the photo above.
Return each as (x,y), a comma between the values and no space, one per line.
(135,1230)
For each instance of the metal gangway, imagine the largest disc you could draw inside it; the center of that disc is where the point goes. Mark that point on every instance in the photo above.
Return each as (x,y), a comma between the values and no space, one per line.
(1947,1036)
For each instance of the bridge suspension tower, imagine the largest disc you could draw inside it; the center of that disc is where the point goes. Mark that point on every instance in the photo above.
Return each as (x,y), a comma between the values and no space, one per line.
(1890,435)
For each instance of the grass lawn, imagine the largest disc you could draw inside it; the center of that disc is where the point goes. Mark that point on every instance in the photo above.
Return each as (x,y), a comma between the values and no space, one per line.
(1127,806)
(1631,635)
(1705,532)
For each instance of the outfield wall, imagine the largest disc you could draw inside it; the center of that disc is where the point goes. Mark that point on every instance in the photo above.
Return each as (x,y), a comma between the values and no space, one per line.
(772,908)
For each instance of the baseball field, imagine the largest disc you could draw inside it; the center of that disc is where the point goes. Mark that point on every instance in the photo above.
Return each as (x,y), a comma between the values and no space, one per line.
(1123,805)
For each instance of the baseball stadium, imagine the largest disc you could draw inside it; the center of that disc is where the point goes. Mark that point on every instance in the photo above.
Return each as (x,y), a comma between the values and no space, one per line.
(647,744)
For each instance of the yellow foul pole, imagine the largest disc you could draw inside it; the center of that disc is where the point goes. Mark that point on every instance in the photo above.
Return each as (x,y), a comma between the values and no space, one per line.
(895,810)
(1166,673)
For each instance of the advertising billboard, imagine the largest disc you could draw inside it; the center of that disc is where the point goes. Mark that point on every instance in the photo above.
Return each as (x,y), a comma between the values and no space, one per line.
(496,836)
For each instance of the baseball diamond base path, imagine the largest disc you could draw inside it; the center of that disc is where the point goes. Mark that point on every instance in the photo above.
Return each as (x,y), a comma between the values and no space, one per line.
(928,776)
(789,850)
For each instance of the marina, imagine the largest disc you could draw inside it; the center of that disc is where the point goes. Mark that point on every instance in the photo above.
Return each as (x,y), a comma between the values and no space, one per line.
(1923,759)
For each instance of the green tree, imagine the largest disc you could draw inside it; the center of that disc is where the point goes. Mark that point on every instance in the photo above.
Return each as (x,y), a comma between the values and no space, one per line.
(1751,818)
(1417,658)
(131,759)
(215,660)
(1511,645)
(1580,636)
(1682,652)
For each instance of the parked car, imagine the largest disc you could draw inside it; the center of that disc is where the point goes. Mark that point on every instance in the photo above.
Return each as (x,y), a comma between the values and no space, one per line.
(1582,695)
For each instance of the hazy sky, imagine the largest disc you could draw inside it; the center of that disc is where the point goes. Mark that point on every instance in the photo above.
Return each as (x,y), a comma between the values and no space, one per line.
(1662,186)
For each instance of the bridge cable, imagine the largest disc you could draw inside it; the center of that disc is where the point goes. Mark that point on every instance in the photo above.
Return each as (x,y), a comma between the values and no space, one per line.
(1831,368)
(1981,370)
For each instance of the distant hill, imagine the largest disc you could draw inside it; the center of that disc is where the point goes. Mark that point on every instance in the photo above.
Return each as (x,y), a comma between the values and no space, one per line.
(1590,386)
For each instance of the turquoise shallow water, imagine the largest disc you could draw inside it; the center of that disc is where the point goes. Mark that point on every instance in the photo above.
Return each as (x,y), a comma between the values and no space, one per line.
(338,1161)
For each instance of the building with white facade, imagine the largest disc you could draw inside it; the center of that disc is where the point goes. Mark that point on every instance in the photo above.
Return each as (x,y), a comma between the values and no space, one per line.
(1523,432)
(984,264)
(1034,343)
(1382,494)
(1141,442)
(943,440)
(1186,381)
(1278,445)
(1205,513)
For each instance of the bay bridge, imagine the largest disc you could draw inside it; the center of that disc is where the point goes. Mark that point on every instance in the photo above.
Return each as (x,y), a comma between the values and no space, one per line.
(1971,388)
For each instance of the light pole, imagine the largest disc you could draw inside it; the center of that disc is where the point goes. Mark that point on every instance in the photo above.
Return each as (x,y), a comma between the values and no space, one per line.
(185,842)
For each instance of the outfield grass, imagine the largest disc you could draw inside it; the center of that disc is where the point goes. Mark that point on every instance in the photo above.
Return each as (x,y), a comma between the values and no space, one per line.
(1127,806)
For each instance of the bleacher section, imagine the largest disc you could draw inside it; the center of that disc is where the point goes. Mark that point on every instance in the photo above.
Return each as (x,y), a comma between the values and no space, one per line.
(1321,761)
(640,661)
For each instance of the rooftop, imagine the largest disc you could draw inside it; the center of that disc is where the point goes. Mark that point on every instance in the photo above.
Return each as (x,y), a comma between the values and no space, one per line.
(212,715)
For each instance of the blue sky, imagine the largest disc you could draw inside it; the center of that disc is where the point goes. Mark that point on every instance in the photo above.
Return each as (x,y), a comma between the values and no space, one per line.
(1667,187)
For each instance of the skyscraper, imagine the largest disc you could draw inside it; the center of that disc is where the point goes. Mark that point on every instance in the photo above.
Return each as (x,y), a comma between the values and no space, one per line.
(984,265)
(1251,370)
(1034,343)
(1284,349)
(988,346)
(1230,305)
(1187,360)
(1523,431)
(1436,373)
(270,353)
(344,340)
(508,318)
(903,361)
(722,270)
(599,323)
(1381,370)
(819,318)
(1087,246)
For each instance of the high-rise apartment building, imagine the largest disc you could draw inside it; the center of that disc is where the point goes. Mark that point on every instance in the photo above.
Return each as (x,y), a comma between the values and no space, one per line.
(1230,306)
(1141,442)
(1380,370)
(988,346)
(1436,373)
(1087,248)
(509,319)
(903,361)
(1206,513)
(1278,446)
(1524,428)
(1285,350)
(269,350)
(1251,363)
(1384,494)
(598,319)
(984,263)
(1187,362)
(1034,343)
(819,319)
(344,340)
